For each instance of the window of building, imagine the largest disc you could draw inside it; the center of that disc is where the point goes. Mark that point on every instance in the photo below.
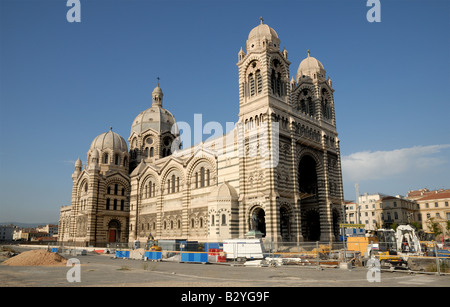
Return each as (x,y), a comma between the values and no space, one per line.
(107,203)
(115,204)
(436,205)
(224,220)
(122,205)
(105,158)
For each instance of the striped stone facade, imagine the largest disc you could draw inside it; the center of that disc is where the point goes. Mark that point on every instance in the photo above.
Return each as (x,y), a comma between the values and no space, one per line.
(277,172)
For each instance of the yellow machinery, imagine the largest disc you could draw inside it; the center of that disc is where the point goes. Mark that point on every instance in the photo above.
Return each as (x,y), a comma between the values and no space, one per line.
(385,249)
(152,246)
(360,243)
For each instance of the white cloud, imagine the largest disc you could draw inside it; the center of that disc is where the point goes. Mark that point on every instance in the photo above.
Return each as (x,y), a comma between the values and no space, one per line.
(366,165)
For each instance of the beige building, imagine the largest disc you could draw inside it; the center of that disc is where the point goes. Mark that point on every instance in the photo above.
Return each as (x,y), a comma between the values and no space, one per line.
(382,211)
(277,173)
(433,205)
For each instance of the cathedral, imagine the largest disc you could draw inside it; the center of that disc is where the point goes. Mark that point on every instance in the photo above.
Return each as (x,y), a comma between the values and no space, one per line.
(276,175)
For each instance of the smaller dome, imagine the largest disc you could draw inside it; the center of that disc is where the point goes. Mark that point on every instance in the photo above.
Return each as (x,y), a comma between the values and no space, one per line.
(310,67)
(263,30)
(262,36)
(224,191)
(109,140)
(78,163)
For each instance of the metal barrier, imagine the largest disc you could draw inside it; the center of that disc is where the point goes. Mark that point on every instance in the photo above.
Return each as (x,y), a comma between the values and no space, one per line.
(303,254)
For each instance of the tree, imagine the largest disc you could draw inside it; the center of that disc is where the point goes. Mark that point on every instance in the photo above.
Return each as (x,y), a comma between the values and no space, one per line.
(434,226)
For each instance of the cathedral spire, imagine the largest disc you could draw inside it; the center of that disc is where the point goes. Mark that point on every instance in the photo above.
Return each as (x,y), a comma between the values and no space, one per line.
(157,95)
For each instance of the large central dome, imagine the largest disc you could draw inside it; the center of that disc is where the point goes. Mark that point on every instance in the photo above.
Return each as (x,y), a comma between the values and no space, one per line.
(155,117)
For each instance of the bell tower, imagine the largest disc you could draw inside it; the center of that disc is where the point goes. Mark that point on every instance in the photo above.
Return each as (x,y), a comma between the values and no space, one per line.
(263,71)
(264,94)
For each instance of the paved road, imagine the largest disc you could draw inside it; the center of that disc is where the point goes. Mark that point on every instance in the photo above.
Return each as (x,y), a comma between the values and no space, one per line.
(102,270)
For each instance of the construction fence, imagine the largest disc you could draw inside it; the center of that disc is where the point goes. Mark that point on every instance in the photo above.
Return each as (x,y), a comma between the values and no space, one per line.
(263,253)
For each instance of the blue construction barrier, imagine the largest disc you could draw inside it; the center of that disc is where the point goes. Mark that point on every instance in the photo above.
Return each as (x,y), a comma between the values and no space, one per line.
(153,255)
(194,257)
(122,254)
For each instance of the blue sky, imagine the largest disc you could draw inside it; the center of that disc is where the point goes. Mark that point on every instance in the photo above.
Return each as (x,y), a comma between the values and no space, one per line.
(62,84)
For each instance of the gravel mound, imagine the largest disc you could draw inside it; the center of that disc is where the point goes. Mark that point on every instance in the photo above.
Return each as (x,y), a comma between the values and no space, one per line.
(36,258)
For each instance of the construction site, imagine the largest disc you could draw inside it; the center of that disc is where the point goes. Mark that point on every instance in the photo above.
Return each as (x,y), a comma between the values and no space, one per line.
(400,254)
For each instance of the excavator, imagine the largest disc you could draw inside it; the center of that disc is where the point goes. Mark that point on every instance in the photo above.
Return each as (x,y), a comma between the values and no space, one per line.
(394,247)
(152,245)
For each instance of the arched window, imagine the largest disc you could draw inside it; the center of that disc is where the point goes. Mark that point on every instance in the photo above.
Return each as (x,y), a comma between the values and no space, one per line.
(153,190)
(116,159)
(258,82)
(201,222)
(178,184)
(109,190)
(202,177)
(146,151)
(207,177)
(105,158)
(192,223)
(251,81)
(122,205)
(224,220)
(196,180)
(152,152)
(123,192)
(115,204)
(125,162)
(212,219)
(116,187)
(173,183)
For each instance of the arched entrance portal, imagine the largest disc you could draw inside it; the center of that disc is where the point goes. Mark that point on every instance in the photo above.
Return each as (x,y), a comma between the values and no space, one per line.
(258,221)
(307,176)
(336,221)
(113,231)
(311,225)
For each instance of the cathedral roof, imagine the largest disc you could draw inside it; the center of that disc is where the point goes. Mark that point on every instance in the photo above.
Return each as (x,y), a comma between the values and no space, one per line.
(310,66)
(155,117)
(224,191)
(109,140)
(263,30)
(262,36)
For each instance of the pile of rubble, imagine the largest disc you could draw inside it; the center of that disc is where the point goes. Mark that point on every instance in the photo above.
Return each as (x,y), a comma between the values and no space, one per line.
(36,258)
